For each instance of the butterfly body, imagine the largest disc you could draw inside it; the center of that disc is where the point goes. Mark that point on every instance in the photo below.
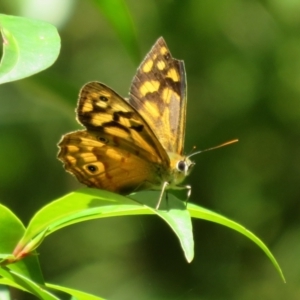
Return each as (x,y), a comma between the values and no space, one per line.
(134,144)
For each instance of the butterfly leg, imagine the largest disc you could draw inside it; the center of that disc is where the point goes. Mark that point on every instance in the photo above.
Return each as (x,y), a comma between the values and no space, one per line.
(167,198)
(161,194)
(189,191)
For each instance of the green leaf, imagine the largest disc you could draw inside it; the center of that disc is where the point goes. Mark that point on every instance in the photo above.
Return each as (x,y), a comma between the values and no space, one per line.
(175,214)
(29,46)
(84,204)
(11,231)
(118,15)
(87,204)
(75,293)
(20,281)
(205,214)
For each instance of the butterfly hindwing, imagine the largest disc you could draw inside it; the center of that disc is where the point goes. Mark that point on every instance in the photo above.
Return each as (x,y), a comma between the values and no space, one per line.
(104,164)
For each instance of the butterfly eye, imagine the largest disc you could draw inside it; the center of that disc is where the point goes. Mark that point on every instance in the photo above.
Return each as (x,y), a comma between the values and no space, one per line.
(181,166)
(92,168)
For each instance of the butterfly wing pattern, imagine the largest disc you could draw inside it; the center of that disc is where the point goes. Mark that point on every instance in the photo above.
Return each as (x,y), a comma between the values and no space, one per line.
(132,145)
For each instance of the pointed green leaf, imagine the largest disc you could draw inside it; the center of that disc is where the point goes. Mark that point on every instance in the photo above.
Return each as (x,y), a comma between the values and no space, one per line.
(205,214)
(11,230)
(174,213)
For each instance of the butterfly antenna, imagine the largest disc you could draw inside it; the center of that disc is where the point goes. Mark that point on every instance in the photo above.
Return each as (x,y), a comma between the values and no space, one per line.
(216,147)
(191,152)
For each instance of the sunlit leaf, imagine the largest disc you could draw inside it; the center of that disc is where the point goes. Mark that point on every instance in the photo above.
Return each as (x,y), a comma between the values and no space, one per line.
(11,230)
(88,204)
(29,46)
(205,214)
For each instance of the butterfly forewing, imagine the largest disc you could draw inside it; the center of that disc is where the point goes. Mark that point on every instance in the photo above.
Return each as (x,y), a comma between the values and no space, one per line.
(102,110)
(158,93)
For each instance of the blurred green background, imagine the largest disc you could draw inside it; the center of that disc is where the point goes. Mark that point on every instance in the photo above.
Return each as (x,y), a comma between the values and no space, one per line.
(243,69)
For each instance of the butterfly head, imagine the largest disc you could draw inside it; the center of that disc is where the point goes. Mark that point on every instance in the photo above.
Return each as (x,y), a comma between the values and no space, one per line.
(181,167)
(184,166)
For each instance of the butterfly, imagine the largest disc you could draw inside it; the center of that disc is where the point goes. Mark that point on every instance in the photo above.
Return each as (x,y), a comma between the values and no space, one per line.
(136,143)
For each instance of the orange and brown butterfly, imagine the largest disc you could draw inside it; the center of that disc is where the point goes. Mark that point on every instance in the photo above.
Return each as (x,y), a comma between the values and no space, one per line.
(135,144)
